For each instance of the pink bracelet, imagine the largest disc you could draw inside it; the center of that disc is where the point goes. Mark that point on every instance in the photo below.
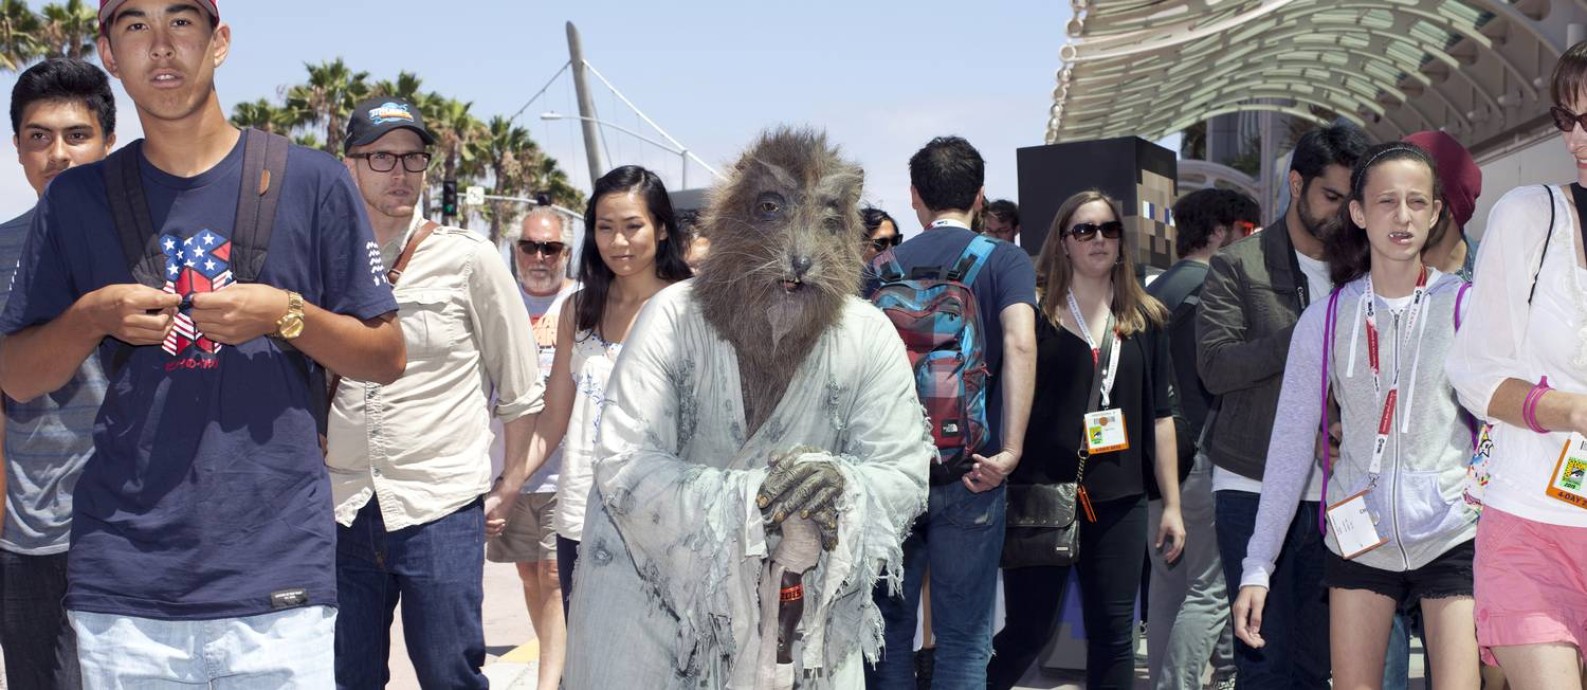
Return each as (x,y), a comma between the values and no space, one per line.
(1529,406)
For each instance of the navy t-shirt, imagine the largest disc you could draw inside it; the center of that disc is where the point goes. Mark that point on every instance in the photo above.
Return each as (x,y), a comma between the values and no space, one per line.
(1007,279)
(207,492)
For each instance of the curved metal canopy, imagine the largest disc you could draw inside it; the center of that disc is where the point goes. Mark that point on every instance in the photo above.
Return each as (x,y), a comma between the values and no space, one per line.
(1475,68)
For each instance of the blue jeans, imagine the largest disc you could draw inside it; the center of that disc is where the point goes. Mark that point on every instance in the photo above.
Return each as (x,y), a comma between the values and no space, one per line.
(437,570)
(282,649)
(961,538)
(41,651)
(1295,620)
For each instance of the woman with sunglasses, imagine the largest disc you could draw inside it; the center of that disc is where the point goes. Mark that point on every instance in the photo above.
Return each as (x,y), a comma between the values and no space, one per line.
(1521,362)
(1398,532)
(627,257)
(881,232)
(1101,363)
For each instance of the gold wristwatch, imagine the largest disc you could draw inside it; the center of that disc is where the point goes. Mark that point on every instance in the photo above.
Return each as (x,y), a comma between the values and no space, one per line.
(290,325)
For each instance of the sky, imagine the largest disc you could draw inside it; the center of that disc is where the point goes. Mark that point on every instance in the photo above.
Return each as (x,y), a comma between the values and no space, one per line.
(881,78)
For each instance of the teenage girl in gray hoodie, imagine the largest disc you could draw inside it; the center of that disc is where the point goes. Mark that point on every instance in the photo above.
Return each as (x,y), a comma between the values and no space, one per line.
(1398,529)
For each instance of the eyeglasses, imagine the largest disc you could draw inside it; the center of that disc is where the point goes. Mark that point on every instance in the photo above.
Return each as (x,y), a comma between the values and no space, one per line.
(531,248)
(1566,120)
(1085,231)
(382,161)
(882,243)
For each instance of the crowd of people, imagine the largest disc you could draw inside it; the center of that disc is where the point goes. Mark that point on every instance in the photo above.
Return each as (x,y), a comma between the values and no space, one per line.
(255,399)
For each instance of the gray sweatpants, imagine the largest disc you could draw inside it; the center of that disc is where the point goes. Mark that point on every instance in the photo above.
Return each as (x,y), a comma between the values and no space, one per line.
(1188,620)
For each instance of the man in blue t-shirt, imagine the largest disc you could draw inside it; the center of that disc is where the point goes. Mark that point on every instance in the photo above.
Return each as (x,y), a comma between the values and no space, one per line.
(203,543)
(63,114)
(960,537)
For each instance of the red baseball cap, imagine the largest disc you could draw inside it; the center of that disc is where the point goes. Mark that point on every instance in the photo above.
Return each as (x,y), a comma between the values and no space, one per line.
(1457,171)
(107,9)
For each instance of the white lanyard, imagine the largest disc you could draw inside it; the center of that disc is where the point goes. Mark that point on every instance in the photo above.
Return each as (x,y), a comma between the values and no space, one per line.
(947,223)
(1391,400)
(1110,373)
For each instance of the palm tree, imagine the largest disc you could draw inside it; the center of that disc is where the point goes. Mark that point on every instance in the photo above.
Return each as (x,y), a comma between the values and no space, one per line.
(262,115)
(19,35)
(406,87)
(455,131)
(550,178)
(330,94)
(510,154)
(69,30)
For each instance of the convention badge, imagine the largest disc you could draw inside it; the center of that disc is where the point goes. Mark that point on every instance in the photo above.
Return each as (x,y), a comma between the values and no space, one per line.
(1569,481)
(1105,432)
(1353,527)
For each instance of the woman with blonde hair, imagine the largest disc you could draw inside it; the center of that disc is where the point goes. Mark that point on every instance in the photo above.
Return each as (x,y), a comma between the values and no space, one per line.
(1101,418)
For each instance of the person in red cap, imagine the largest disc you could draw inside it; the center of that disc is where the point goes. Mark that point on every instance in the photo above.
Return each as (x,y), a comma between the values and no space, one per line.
(203,547)
(1448,250)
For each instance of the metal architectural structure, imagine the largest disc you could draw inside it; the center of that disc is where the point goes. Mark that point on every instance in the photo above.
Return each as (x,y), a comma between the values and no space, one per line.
(1477,69)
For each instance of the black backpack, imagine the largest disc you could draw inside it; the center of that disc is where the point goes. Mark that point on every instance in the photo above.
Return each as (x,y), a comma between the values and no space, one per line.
(264,160)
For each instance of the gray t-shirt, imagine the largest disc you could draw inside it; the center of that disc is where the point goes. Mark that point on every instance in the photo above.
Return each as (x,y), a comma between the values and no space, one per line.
(47,441)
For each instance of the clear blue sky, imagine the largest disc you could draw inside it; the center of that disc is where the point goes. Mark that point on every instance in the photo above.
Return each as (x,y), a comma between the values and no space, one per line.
(881,77)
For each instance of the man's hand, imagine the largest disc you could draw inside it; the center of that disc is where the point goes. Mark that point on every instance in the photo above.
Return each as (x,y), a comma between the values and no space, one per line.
(1171,531)
(132,313)
(497,507)
(1248,615)
(989,472)
(239,313)
(807,489)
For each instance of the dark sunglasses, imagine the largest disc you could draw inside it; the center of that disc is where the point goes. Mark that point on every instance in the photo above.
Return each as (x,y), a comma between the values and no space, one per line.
(531,248)
(1085,231)
(882,243)
(1566,120)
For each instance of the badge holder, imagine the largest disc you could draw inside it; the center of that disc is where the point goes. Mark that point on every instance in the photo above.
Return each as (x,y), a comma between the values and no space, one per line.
(1353,527)
(1569,480)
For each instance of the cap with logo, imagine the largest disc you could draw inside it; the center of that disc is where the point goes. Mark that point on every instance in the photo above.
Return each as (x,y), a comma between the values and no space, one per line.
(107,10)
(377,117)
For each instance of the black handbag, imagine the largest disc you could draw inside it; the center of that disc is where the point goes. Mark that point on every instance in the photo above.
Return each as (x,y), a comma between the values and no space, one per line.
(1042,526)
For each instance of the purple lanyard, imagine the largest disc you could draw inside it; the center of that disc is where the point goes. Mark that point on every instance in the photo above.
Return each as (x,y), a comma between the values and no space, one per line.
(1328,463)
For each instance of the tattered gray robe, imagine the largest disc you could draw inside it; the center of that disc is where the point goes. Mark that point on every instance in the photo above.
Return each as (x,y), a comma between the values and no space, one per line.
(665,591)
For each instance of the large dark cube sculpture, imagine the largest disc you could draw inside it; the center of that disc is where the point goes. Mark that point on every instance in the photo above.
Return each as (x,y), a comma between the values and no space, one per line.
(1139,174)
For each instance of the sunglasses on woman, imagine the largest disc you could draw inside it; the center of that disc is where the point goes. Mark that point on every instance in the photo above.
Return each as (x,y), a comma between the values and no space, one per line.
(1083,232)
(531,248)
(1566,120)
(882,243)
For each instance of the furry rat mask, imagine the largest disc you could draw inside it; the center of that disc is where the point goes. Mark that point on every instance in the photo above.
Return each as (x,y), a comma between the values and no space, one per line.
(786,243)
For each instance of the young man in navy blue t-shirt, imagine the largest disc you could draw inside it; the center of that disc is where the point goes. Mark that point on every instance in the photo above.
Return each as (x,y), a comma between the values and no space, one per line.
(203,543)
(960,537)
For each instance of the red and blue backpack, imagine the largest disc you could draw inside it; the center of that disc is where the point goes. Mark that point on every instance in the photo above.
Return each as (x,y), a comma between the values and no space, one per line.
(935,312)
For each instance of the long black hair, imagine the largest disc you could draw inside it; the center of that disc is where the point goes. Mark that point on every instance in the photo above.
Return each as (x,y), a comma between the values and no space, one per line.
(590,303)
(1347,249)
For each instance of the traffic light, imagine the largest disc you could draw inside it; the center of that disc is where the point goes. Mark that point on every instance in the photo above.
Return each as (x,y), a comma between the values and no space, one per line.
(543,199)
(449,198)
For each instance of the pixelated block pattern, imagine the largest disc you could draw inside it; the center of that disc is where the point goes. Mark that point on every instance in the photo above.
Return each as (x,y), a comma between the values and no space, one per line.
(1152,226)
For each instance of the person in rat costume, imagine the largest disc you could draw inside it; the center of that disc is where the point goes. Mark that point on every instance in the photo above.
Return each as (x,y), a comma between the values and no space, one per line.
(761,454)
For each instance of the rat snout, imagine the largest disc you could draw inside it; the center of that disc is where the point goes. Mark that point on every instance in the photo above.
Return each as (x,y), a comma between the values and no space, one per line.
(800,264)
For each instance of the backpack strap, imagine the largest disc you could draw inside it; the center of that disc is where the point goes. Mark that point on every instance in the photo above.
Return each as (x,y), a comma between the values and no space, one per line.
(887,266)
(1328,462)
(1460,299)
(264,163)
(1546,239)
(130,211)
(970,262)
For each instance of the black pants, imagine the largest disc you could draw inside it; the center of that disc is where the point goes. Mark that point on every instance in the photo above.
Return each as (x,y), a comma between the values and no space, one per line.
(41,650)
(1111,553)
(567,558)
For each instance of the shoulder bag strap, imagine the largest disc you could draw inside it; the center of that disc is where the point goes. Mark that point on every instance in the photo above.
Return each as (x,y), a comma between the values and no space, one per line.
(1546,239)
(392,276)
(1327,355)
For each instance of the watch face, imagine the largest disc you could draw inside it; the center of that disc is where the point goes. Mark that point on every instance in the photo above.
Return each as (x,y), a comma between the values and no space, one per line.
(291,326)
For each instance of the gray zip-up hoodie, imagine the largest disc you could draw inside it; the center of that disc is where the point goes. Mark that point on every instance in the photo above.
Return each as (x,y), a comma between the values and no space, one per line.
(1417,500)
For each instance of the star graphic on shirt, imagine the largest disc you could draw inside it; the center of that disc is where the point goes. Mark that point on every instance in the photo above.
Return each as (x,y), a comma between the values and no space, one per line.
(210,265)
(170,244)
(198,252)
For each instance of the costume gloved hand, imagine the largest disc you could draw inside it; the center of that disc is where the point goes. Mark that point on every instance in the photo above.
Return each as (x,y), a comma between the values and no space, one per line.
(809,490)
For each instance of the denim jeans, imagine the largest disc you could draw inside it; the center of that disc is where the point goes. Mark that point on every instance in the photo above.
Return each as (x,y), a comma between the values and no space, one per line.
(1295,620)
(961,538)
(1112,551)
(41,651)
(1189,609)
(437,570)
(281,649)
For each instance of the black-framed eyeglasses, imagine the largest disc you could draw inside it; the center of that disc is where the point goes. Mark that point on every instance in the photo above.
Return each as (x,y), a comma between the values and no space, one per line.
(881,244)
(531,248)
(382,161)
(1083,232)
(1566,120)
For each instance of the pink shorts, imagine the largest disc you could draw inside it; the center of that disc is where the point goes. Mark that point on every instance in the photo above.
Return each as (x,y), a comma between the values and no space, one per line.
(1531,583)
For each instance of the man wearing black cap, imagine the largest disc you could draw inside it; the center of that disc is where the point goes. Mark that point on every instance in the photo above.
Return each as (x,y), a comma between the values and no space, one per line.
(410,461)
(201,544)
